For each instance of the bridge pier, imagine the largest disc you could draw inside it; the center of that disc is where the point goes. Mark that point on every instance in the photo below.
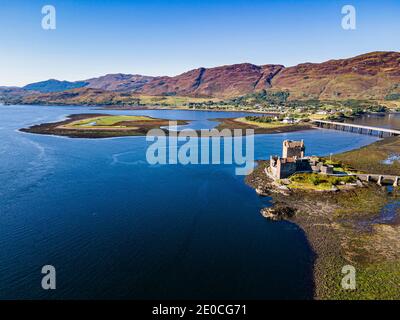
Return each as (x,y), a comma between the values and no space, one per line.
(396,182)
(380,134)
(380,180)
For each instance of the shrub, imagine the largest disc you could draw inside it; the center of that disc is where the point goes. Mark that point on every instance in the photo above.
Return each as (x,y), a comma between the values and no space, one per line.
(262,119)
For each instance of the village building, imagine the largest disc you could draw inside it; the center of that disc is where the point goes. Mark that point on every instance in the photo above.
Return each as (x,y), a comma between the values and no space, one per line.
(288,120)
(293,161)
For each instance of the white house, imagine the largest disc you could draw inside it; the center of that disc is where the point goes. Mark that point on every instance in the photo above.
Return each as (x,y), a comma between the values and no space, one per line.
(288,120)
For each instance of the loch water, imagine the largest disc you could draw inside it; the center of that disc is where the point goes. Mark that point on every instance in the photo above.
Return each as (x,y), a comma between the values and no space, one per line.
(115,226)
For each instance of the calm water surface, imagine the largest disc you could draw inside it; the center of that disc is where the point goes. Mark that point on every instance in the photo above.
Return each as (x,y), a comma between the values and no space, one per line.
(391,120)
(116,227)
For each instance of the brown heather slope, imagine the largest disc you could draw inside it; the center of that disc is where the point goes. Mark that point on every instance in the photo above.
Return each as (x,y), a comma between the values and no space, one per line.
(118,82)
(13,92)
(219,82)
(82,96)
(374,75)
(370,76)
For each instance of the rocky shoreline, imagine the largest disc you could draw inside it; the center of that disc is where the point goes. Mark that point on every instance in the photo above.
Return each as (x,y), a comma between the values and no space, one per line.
(342,229)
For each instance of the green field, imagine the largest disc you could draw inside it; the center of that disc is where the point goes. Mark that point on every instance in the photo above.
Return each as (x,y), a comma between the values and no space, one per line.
(370,158)
(106,121)
(315,181)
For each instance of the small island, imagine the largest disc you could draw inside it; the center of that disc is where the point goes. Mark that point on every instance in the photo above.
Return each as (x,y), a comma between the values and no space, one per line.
(101,126)
(349,219)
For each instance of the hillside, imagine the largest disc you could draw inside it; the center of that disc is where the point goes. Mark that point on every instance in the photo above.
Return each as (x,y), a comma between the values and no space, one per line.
(81,96)
(89,96)
(118,82)
(53,85)
(220,82)
(373,76)
(11,93)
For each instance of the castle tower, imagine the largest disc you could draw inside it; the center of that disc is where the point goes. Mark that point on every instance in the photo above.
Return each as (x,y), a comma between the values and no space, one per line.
(293,149)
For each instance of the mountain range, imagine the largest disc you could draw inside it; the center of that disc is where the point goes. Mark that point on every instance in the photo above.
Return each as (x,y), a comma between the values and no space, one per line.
(374,75)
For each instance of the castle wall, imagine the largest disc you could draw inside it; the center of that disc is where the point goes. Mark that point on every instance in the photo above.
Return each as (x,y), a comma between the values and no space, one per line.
(285,170)
(292,160)
(293,149)
(303,165)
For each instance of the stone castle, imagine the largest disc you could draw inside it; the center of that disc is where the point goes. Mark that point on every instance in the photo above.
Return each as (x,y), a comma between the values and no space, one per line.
(293,161)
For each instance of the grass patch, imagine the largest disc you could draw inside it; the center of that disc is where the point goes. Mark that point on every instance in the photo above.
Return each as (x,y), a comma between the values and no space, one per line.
(272,124)
(315,181)
(373,281)
(370,158)
(339,167)
(361,202)
(106,121)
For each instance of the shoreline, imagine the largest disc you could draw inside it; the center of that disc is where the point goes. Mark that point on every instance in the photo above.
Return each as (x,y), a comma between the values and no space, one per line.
(232,123)
(188,109)
(138,108)
(324,233)
(60,128)
(343,228)
(172,107)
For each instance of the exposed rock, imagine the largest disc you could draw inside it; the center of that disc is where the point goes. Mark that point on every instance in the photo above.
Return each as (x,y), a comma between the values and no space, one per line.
(278,213)
(261,191)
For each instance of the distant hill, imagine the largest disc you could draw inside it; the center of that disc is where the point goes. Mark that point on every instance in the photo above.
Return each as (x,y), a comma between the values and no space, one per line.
(119,82)
(374,75)
(54,85)
(82,96)
(12,93)
(219,82)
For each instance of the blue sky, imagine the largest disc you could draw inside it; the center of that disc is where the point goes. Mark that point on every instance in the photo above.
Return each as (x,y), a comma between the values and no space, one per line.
(170,37)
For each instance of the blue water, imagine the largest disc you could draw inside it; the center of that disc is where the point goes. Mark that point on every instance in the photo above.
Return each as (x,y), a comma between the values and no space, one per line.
(116,227)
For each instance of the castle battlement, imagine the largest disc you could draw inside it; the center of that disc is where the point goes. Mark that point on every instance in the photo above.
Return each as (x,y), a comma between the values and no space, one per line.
(293,160)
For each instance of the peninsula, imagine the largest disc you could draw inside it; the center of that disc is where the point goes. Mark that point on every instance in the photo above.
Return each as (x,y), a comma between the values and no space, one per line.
(347,220)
